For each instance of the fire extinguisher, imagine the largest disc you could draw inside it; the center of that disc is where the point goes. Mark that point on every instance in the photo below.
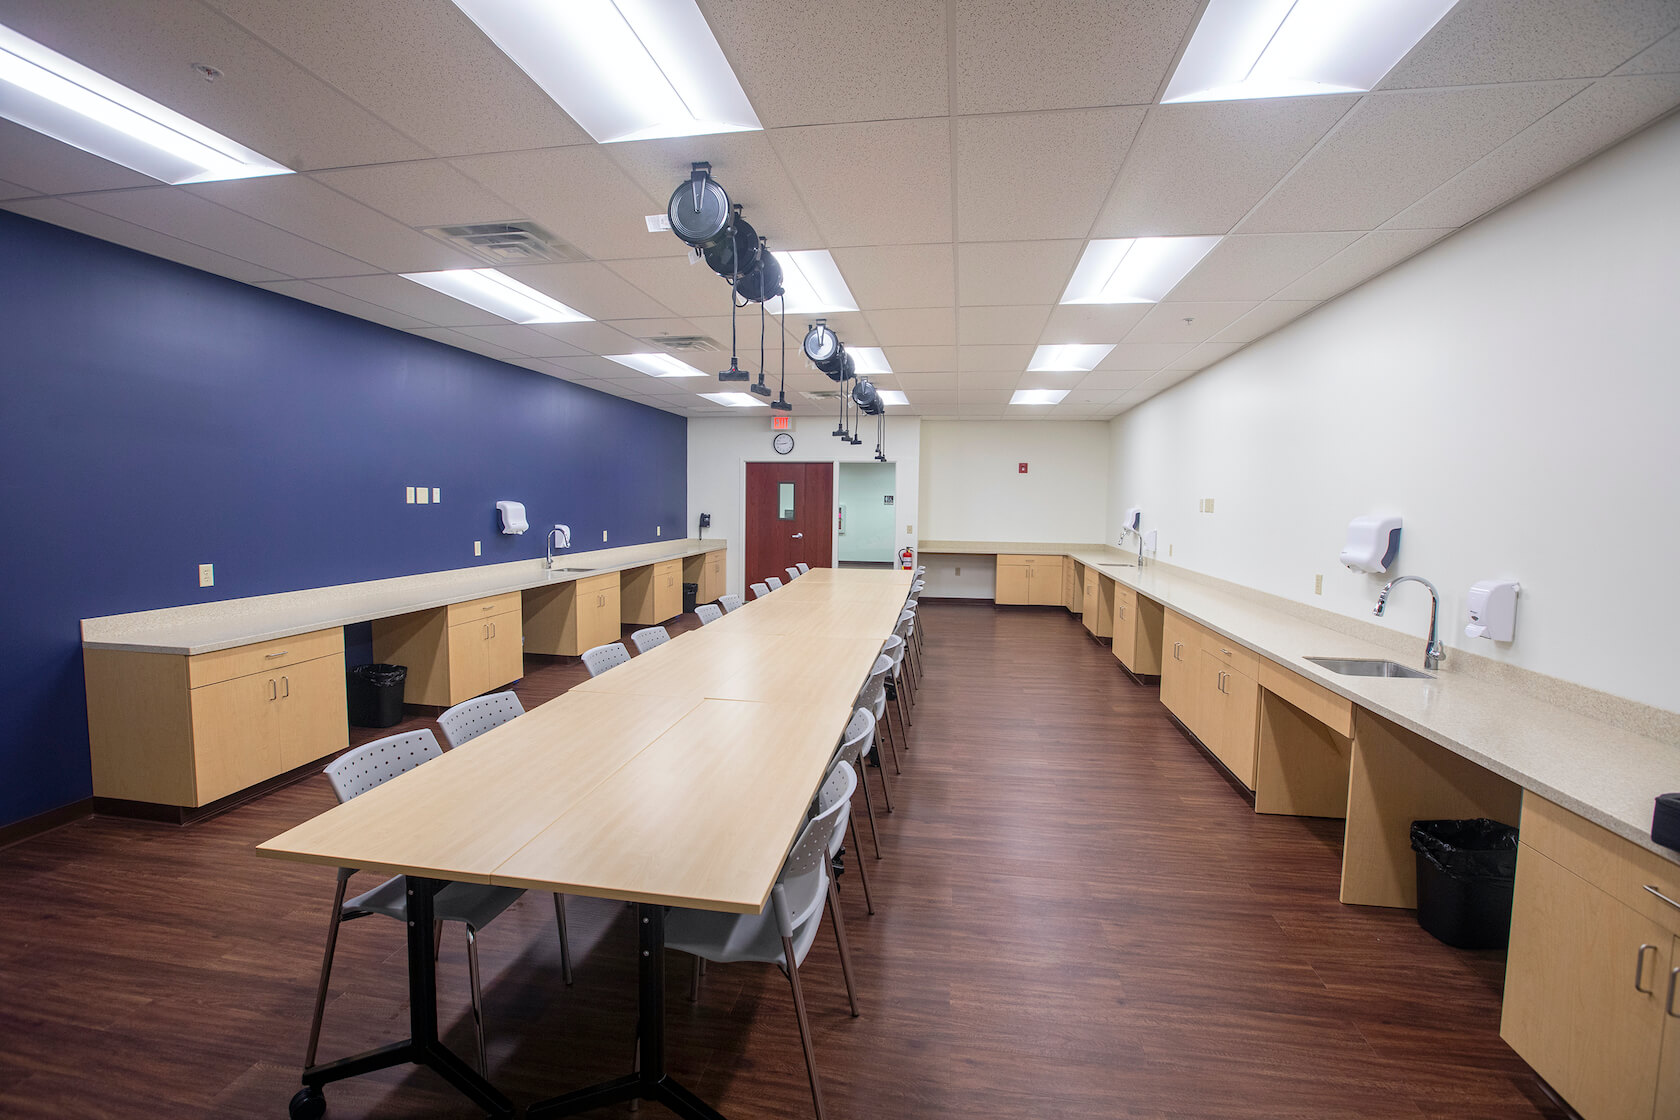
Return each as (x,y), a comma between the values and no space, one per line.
(907,559)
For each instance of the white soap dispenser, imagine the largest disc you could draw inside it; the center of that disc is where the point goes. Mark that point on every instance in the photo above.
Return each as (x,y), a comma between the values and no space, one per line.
(1372,543)
(1493,609)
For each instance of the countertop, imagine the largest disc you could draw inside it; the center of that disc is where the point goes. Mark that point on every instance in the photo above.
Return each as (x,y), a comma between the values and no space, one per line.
(205,627)
(1592,768)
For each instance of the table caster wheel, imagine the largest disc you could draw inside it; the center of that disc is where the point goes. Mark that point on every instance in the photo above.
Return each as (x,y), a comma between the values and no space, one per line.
(308,1104)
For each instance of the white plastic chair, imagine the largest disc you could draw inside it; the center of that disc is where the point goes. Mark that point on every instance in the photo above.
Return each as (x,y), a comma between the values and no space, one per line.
(841,783)
(783,932)
(467,721)
(474,905)
(650,637)
(906,629)
(855,746)
(894,648)
(760,590)
(793,574)
(708,612)
(873,695)
(773,583)
(602,658)
(803,568)
(729,603)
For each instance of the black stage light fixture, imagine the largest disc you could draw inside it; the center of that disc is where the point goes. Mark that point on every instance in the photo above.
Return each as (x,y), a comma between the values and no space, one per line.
(699,209)
(764,282)
(865,396)
(824,349)
(734,255)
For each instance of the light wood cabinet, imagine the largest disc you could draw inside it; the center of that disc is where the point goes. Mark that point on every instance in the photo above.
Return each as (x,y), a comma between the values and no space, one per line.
(1073,586)
(1098,604)
(456,652)
(572,617)
(187,731)
(706,572)
(1593,957)
(651,594)
(1179,650)
(1029,581)
(1210,684)
(1137,631)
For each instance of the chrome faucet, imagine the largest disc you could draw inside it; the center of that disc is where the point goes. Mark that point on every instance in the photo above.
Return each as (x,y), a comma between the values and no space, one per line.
(550,544)
(1432,653)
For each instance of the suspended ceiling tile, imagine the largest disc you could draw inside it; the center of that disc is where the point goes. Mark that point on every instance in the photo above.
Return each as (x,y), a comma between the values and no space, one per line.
(1587,123)
(1086,397)
(578,195)
(61,212)
(1150,356)
(1662,57)
(263,99)
(989,379)
(1038,175)
(1166,379)
(927,399)
(1253,266)
(42,165)
(1166,322)
(928,382)
(922,326)
(899,276)
(1207,353)
(1374,253)
(434,77)
(1115,381)
(686,289)
(593,289)
(523,340)
(864,60)
(182,214)
(427,192)
(451,337)
(13,190)
(1014,272)
(993,357)
(641,328)
(996,397)
(967,410)
(1265,319)
(1092,322)
(597,338)
(1001,325)
(1198,168)
(1394,148)
(300,205)
(880,183)
(921,359)
(1482,41)
(1012,57)
(414,300)
(310,292)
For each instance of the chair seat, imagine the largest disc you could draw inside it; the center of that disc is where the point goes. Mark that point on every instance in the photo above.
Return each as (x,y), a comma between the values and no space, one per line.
(472,903)
(728,938)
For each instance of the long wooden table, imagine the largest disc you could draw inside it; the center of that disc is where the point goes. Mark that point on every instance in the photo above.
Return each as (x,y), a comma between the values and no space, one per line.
(679,779)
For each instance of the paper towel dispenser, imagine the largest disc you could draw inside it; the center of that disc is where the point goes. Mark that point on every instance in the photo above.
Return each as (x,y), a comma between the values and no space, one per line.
(1372,543)
(1493,609)
(513,517)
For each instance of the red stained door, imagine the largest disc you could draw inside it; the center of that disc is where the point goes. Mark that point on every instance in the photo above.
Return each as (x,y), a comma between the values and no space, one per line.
(790,510)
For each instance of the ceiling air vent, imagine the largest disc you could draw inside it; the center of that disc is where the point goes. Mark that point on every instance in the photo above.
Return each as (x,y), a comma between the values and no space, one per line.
(692,343)
(508,243)
(822,395)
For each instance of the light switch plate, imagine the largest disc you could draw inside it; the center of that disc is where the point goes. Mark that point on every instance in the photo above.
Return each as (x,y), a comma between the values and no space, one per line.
(659,530)
(410,495)
(1318,585)
(422,495)
(437,495)
(207,575)
(603,536)
(478,548)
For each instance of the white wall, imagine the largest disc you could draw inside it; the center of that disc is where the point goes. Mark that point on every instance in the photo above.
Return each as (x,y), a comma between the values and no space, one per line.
(972,490)
(868,530)
(1514,393)
(718,451)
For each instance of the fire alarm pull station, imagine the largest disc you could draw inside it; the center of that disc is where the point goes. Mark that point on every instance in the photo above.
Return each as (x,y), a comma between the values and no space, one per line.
(1022,468)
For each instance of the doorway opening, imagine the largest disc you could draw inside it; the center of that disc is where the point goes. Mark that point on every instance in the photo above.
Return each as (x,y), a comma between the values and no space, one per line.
(867,512)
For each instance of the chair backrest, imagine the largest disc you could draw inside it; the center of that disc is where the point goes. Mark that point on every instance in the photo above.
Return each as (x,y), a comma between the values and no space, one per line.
(803,884)
(916,588)
(467,721)
(708,612)
(760,590)
(893,647)
(371,764)
(803,568)
(602,658)
(729,603)
(859,737)
(793,573)
(650,637)
(840,785)
(920,572)
(774,583)
(874,693)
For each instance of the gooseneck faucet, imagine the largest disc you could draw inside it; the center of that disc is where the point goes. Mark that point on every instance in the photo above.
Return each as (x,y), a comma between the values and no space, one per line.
(1432,653)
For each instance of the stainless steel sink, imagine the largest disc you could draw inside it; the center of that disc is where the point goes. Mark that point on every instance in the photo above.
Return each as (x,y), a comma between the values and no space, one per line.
(557,571)
(1368,667)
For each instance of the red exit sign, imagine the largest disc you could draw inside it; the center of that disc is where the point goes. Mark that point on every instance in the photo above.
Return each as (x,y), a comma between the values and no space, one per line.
(781,423)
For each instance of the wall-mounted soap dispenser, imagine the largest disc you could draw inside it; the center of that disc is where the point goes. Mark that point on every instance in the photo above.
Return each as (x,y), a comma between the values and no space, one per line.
(1372,543)
(513,517)
(1493,609)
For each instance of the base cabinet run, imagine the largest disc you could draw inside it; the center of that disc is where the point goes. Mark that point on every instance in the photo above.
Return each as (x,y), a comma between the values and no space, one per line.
(456,652)
(651,594)
(1034,581)
(572,617)
(185,731)
(1211,685)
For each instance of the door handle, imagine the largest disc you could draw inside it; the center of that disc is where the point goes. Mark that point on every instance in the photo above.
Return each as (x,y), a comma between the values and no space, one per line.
(1673,980)
(273,692)
(1639,974)
(286,683)
(799,536)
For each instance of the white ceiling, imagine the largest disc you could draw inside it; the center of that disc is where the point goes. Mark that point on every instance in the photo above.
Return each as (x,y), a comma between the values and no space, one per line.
(955,156)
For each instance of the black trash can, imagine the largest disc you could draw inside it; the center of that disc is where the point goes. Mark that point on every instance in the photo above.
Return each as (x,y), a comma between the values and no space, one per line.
(374,694)
(691,595)
(1466,871)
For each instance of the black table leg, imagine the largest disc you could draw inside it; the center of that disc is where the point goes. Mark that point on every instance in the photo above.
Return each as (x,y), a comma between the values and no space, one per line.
(422,1046)
(652,1083)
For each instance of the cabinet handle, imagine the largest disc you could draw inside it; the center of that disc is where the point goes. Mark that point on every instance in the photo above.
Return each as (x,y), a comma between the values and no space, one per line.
(1673,978)
(491,607)
(272,656)
(286,683)
(273,692)
(1225,651)
(1662,896)
(1639,974)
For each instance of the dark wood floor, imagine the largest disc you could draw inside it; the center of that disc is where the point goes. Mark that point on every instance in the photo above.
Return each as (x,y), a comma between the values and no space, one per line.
(1077,917)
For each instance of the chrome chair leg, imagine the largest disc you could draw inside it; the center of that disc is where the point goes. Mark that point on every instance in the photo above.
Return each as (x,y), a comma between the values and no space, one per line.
(839,923)
(344,874)
(863,875)
(870,805)
(477,1000)
(885,788)
(804,1026)
(565,942)
(881,739)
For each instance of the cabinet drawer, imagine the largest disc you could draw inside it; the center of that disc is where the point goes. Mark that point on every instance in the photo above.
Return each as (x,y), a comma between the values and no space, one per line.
(483,608)
(667,570)
(594,585)
(1620,869)
(1030,561)
(1240,658)
(242,661)
(1333,711)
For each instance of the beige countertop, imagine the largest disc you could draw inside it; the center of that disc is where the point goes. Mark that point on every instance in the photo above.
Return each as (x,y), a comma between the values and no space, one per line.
(204,627)
(1606,774)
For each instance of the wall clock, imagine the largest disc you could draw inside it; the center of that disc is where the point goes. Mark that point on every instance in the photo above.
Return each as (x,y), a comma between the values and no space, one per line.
(783,443)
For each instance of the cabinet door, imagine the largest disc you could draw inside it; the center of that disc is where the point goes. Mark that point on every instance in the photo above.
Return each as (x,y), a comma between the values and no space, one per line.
(1178,667)
(669,601)
(312,723)
(1668,1072)
(599,618)
(1585,983)
(1125,629)
(469,660)
(1014,583)
(505,651)
(1091,599)
(1236,725)
(236,740)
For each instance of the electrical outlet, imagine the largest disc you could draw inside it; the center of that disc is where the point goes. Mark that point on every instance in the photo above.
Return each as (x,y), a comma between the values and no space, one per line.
(1318,585)
(659,530)
(603,536)
(410,495)
(908,529)
(478,548)
(422,495)
(437,495)
(1169,550)
(959,569)
(207,575)
(1210,505)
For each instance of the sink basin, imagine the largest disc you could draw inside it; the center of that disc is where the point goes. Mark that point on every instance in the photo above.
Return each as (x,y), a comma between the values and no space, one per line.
(557,571)
(1112,564)
(1368,667)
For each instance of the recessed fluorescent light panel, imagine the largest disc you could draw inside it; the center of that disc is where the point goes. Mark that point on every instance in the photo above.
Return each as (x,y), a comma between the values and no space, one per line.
(1134,269)
(623,69)
(655,365)
(891,396)
(1298,48)
(735,400)
(61,98)
(491,291)
(1071,357)
(1038,396)
(871,360)
(812,283)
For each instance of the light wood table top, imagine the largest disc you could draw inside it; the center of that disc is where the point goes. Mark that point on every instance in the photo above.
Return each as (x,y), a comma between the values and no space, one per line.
(680,778)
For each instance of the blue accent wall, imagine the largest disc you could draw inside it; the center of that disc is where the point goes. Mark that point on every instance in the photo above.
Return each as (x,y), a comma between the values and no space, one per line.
(153,417)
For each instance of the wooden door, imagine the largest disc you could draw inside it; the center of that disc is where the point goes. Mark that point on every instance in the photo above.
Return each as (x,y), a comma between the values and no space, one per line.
(469,660)
(505,652)
(1014,582)
(667,590)
(1125,628)
(1237,726)
(312,723)
(605,624)
(1090,600)
(1668,1073)
(235,735)
(1047,582)
(1178,667)
(790,510)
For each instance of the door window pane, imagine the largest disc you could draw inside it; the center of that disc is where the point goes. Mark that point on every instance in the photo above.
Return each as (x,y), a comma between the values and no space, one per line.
(784,501)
